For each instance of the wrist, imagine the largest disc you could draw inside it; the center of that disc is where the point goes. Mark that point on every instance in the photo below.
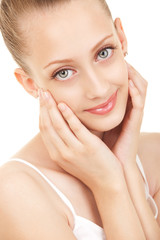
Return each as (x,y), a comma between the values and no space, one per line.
(112,185)
(134,180)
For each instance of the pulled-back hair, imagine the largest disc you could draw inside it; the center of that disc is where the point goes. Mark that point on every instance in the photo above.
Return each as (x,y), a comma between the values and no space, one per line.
(11,12)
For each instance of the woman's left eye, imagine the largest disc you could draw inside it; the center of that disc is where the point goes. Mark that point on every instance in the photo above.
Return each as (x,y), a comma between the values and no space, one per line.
(105,53)
(65,74)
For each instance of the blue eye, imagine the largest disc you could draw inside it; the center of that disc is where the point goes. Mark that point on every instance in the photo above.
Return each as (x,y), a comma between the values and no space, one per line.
(105,53)
(63,74)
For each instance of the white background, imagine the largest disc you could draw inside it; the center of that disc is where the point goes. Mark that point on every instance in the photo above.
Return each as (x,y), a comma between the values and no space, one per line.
(20,112)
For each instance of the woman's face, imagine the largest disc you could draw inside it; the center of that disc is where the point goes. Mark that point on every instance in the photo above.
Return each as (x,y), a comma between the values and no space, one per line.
(78,57)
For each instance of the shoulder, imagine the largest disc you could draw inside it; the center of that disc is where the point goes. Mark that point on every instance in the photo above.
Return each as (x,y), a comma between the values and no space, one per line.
(149,154)
(18,187)
(14,176)
(26,209)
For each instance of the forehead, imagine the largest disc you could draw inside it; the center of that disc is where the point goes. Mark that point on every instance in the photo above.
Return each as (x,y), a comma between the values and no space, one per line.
(61,30)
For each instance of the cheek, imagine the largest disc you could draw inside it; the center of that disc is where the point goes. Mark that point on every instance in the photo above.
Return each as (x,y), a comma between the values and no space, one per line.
(118,73)
(70,96)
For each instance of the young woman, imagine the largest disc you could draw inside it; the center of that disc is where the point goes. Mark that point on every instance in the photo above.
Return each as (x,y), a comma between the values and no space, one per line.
(88,174)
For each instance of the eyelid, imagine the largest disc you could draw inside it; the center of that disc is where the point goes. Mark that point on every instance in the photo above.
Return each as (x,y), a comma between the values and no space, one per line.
(109,46)
(53,75)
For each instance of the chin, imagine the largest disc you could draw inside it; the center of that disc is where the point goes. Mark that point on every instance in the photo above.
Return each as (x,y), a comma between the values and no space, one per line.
(106,123)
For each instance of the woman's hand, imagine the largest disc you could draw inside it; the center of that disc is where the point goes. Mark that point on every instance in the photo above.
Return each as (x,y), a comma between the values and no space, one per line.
(74,148)
(127,133)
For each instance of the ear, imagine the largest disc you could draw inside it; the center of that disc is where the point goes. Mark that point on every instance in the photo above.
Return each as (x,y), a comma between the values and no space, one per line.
(121,35)
(28,84)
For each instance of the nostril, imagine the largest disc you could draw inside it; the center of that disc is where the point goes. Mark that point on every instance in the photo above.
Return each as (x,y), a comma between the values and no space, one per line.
(97,90)
(97,93)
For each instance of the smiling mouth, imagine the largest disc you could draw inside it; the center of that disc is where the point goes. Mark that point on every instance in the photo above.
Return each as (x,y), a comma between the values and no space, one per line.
(108,102)
(104,107)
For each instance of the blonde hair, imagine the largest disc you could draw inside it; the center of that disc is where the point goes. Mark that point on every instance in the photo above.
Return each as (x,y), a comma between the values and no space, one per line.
(13,34)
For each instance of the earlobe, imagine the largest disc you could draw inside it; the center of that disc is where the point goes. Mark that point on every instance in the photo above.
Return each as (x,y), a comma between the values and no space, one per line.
(27,83)
(121,35)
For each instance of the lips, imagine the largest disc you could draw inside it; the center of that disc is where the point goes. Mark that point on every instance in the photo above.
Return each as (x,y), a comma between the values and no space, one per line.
(103,104)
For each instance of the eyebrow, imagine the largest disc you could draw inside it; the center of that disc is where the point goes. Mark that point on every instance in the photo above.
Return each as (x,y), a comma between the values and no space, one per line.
(71,60)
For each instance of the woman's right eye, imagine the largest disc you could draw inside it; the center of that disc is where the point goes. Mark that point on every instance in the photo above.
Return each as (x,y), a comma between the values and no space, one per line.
(63,74)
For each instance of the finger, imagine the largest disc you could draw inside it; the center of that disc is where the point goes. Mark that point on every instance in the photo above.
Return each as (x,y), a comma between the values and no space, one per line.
(51,148)
(81,132)
(60,126)
(133,72)
(134,115)
(138,80)
(137,100)
(47,131)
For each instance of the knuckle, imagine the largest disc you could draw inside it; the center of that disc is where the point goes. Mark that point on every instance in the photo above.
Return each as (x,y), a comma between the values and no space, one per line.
(67,155)
(81,150)
(143,92)
(145,84)
(76,127)
(136,94)
(55,156)
(45,126)
(141,105)
(58,127)
(145,88)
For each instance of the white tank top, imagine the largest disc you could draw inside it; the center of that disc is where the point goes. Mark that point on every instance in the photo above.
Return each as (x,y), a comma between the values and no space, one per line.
(84,228)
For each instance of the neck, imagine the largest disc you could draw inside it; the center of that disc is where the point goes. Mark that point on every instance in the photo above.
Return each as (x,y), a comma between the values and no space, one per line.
(98,134)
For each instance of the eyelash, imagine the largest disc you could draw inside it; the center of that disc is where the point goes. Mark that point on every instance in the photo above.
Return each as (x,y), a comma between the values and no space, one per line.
(54,74)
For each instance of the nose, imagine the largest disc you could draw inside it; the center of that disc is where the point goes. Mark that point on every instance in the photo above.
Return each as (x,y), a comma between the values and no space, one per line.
(95,85)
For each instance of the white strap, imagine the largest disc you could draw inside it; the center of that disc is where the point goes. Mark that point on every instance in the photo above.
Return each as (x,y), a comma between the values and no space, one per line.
(148,196)
(66,200)
(62,196)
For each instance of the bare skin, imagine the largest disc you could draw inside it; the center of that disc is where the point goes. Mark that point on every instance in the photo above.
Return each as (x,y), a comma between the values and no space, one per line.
(108,136)
(68,183)
(35,152)
(65,182)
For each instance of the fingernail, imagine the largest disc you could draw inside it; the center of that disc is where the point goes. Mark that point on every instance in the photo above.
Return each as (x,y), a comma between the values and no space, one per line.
(62,107)
(46,95)
(40,94)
